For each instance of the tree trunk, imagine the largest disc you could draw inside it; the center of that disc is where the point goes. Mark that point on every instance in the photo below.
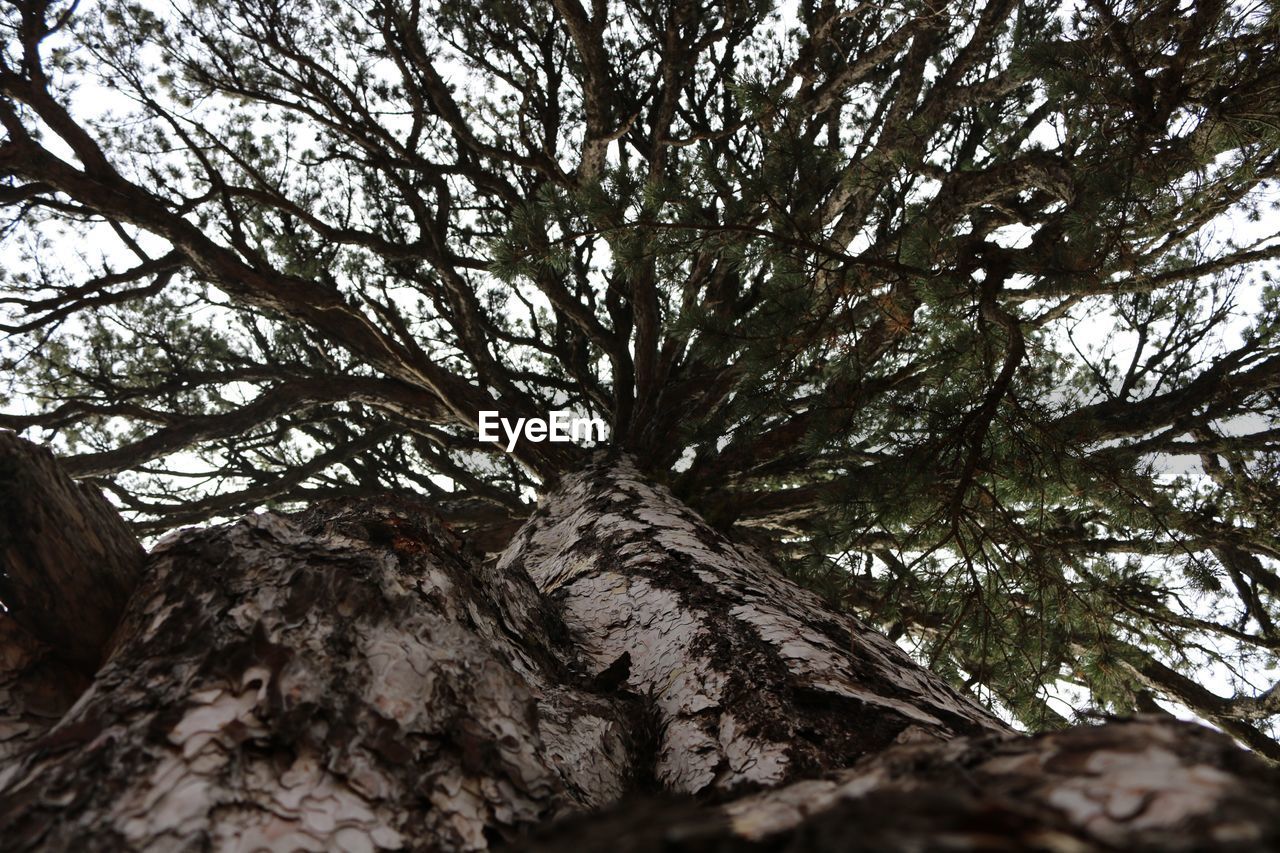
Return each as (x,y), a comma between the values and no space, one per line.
(1146,784)
(69,560)
(349,678)
(36,688)
(342,680)
(753,679)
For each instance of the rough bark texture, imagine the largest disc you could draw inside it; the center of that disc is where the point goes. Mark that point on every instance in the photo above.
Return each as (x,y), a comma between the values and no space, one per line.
(351,679)
(754,680)
(1149,784)
(67,561)
(36,688)
(354,687)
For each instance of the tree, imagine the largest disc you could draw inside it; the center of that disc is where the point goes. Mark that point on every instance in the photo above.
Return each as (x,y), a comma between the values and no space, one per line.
(822,270)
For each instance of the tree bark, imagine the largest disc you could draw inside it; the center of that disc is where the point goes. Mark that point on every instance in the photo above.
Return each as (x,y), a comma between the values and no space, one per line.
(346,680)
(36,688)
(351,678)
(1148,784)
(69,562)
(753,679)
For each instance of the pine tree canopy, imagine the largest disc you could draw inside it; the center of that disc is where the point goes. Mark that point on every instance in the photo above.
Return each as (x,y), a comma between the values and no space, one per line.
(964,311)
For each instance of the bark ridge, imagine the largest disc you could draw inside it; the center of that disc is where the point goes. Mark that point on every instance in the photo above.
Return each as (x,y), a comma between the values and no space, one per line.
(755,680)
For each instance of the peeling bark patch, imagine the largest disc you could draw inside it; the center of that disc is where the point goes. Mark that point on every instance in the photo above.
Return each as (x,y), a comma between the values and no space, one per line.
(275,688)
(350,680)
(1144,786)
(732,655)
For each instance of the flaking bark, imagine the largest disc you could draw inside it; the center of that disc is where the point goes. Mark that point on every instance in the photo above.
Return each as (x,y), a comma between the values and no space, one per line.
(349,678)
(1150,784)
(353,683)
(753,679)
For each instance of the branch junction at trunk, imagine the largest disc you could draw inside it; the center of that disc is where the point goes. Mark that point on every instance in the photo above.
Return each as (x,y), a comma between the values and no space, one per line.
(352,678)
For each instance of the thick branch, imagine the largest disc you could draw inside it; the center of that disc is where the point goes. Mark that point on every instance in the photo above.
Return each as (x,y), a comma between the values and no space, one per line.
(69,563)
